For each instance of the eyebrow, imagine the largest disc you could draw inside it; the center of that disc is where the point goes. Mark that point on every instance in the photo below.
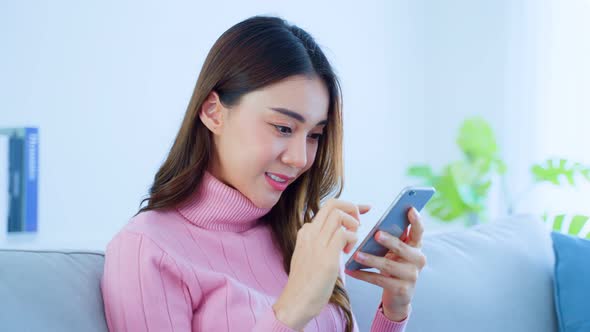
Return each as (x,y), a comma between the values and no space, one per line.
(295,115)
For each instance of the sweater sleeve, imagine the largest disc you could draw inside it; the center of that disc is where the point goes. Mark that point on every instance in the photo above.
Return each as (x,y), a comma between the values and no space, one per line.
(380,322)
(143,288)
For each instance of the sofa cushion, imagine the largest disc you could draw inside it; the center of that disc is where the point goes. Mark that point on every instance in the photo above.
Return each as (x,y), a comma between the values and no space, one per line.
(496,276)
(572,282)
(51,291)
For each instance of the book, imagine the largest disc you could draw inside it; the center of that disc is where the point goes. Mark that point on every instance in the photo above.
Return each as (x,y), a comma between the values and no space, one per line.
(31,183)
(15,184)
(23,170)
(4,157)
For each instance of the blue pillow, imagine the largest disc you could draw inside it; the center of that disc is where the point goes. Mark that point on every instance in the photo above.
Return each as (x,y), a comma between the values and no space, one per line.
(572,282)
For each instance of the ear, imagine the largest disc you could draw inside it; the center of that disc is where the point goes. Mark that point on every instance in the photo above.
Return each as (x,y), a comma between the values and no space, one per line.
(211,113)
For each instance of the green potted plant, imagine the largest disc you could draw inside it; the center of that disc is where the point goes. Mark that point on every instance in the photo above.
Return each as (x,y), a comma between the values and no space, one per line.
(463,185)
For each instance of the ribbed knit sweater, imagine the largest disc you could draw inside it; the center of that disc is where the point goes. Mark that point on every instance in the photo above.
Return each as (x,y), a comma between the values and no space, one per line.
(206,265)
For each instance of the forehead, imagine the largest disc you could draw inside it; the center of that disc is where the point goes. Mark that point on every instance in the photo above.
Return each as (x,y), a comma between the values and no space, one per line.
(306,96)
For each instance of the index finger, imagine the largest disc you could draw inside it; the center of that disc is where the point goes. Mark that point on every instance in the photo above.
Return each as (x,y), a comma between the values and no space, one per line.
(417,228)
(333,203)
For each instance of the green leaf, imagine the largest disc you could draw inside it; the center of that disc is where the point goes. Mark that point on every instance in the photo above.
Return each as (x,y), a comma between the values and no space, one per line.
(476,139)
(558,221)
(500,166)
(446,204)
(553,170)
(421,171)
(482,189)
(471,186)
(481,165)
(577,224)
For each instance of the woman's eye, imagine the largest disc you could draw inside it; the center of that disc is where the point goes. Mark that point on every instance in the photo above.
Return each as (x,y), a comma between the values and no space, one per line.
(286,131)
(283,130)
(316,137)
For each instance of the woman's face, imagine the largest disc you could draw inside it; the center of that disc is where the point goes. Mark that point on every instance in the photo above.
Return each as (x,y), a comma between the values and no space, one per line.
(273,130)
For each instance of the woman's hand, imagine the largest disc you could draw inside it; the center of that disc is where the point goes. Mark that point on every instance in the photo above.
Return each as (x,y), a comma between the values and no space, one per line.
(315,264)
(399,269)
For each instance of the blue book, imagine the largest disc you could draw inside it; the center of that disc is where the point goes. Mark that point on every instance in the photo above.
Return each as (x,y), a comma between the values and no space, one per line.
(4,198)
(23,178)
(30,178)
(15,184)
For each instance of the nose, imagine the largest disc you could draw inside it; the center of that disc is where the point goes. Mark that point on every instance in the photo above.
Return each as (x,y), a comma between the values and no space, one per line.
(296,153)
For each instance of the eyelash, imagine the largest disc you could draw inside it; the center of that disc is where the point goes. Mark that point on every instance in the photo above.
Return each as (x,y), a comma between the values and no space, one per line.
(278,128)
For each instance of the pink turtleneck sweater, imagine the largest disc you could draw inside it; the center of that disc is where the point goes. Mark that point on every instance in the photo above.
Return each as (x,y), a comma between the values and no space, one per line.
(206,266)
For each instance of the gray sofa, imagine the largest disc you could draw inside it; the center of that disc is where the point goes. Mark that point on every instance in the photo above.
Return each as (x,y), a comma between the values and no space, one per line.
(491,277)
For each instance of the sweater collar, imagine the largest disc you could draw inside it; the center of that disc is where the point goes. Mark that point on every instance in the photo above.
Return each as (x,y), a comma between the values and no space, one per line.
(217,206)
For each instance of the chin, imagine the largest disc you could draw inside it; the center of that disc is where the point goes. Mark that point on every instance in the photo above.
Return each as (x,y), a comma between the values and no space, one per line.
(265,201)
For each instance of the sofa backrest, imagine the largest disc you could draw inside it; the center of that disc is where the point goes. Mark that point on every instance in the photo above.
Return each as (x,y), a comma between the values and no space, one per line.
(492,277)
(496,276)
(51,291)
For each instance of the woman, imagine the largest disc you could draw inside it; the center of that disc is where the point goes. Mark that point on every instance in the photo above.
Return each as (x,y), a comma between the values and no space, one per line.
(233,237)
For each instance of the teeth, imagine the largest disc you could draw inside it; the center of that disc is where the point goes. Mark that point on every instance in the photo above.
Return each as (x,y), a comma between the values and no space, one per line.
(276,178)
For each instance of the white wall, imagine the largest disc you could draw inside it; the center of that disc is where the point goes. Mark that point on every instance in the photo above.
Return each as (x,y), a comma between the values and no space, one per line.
(108,85)
(109,82)
(563,99)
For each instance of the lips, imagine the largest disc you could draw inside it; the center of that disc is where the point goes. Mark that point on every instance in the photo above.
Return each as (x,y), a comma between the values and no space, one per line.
(280,186)
(282,176)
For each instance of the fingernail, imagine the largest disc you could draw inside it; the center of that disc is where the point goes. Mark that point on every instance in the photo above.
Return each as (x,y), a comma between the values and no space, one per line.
(361,256)
(414,213)
(365,206)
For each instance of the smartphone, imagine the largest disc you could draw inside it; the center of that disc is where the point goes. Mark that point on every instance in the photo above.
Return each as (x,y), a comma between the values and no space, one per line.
(393,221)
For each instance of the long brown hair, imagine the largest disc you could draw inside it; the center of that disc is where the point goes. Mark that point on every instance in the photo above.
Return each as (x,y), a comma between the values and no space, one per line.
(250,55)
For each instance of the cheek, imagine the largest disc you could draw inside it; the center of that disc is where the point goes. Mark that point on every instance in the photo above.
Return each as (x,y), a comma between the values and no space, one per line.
(311,154)
(257,146)
(239,146)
